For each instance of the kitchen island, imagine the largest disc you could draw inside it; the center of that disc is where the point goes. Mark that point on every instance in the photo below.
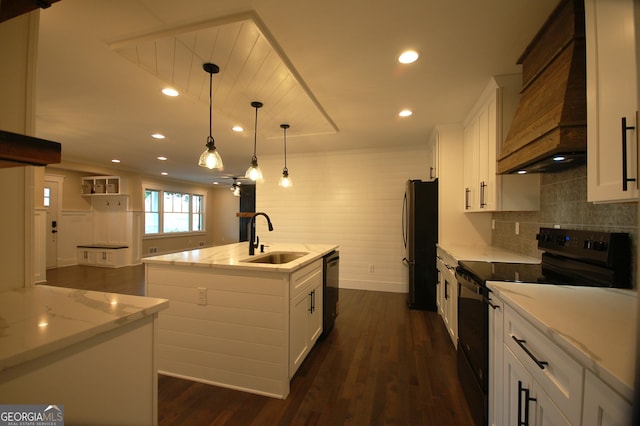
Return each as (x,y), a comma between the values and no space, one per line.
(89,351)
(236,323)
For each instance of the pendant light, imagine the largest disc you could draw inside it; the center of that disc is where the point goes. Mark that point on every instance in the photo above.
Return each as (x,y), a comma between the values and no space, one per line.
(253,172)
(210,158)
(235,187)
(285,180)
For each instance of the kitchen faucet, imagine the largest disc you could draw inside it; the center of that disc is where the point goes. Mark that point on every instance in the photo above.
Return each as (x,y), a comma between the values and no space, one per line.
(253,236)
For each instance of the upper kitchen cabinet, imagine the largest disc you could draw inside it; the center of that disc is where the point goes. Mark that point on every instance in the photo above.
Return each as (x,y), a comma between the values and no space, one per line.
(484,131)
(433,155)
(612,101)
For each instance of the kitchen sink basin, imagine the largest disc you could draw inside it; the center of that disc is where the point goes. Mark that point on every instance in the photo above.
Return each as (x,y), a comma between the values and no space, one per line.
(276,257)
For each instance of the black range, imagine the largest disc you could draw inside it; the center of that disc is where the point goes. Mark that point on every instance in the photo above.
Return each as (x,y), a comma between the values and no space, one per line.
(570,257)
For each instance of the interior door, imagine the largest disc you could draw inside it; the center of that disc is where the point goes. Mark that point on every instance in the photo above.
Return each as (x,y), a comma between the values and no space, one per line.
(51,204)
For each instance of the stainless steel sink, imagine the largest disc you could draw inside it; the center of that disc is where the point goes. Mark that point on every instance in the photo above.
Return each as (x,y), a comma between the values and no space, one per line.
(276,257)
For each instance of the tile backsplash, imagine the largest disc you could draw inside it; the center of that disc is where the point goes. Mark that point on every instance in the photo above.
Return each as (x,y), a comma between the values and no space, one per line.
(563,202)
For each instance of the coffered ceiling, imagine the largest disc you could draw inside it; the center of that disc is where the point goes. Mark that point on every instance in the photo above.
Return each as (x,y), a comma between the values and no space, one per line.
(327,68)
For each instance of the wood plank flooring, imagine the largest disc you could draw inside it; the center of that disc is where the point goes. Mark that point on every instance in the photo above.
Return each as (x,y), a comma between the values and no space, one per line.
(383,364)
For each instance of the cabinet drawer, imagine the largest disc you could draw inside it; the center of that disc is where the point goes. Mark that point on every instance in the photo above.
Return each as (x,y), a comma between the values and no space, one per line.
(559,375)
(309,275)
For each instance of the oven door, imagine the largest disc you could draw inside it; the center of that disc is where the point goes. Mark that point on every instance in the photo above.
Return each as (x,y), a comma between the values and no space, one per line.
(473,326)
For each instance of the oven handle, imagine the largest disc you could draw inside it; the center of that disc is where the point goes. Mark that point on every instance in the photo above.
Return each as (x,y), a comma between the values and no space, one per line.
(488,301)
(521,343)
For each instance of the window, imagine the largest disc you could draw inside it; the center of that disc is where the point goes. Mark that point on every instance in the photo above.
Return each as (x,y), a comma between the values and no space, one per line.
(47,197)
(181,212)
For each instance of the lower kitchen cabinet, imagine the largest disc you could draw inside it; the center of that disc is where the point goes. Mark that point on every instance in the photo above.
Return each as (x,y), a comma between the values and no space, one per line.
(602,405)
(306,313)
(447,294)
(534,381)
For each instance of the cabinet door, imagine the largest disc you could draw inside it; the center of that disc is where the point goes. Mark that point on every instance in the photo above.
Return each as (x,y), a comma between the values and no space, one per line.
(298,340)
(602,406)
(517,381)
(432,155)
(470,162)
(544,411)
(496,362)
(611,97)
(105,257)
(315,315)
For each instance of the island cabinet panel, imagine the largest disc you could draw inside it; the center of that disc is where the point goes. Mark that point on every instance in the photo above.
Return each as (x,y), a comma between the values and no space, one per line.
(223,327)
(106,379)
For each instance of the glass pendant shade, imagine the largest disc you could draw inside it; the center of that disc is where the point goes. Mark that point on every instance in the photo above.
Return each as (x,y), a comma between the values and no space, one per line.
(253,172)
(285,181)
(211,158)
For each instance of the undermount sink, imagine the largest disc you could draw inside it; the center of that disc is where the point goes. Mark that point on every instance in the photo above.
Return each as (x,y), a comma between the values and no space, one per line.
(276,257)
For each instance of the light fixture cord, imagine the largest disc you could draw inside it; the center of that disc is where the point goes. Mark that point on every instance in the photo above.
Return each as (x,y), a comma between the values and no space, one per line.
(285,148)
(255,136)
(210,105)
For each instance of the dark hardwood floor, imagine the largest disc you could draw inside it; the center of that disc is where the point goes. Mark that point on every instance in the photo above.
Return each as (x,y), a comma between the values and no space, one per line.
(382,364)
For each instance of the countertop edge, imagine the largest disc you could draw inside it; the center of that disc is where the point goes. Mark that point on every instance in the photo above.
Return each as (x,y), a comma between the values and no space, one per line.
(561,339)
(44,349)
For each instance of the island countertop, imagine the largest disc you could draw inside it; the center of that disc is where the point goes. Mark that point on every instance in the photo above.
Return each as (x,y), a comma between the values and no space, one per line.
(37,321)
(235,256)
(596,326)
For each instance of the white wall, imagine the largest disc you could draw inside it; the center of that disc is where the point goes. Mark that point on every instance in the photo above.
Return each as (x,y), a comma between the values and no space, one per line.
(349,198)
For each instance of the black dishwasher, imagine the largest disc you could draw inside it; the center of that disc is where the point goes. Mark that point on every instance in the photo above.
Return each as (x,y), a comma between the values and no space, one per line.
(331,276)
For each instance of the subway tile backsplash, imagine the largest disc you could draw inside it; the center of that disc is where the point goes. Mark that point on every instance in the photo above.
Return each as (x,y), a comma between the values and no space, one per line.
(563,202)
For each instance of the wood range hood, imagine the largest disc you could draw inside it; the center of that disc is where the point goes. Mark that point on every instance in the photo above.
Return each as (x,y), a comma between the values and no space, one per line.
(550,122)
(20,150)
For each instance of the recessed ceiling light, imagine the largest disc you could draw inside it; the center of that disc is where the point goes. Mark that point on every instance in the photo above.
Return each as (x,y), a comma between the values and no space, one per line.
(161,158)
(164,173)
(216,183)
(158,136)
(408,57)
(522,172)
(115,160)
(405,113)
(169,91)
(559,158)
(237,129)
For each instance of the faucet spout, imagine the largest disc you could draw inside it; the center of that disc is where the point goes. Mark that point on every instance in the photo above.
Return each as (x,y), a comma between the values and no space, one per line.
(252,243)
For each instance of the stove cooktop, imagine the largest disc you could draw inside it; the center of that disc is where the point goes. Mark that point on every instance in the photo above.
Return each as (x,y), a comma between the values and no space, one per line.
(513,272)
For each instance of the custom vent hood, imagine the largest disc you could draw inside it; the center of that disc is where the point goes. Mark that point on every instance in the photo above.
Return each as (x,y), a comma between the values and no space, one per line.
(21,150)
(549,130)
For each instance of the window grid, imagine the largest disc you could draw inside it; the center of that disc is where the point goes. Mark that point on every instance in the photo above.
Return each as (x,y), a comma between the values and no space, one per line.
(168,212)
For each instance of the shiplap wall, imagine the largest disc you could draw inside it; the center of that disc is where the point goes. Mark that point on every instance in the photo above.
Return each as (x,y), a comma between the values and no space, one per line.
(349,198)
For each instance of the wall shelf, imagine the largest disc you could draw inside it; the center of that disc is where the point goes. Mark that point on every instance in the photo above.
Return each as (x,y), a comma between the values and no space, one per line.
(102,185)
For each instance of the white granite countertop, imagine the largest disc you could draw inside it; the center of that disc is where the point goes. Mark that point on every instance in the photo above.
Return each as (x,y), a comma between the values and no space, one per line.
(39,320)
(597,326)
(235,256)
(486,254)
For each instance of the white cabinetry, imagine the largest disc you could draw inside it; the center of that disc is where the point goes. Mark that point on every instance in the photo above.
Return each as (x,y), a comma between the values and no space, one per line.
(484,131)
(433,159)
(306,313)
(102,185)
(612,99)
(103,255)
(602,405)
(448,294)
(534,381)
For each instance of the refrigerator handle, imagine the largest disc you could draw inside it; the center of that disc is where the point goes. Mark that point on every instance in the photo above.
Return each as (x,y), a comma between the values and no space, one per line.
(404,216)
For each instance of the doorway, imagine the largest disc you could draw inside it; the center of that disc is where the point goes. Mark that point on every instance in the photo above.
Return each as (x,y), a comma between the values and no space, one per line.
(52,205)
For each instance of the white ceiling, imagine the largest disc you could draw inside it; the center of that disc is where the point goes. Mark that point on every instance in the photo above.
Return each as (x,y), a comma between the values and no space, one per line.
(328,68)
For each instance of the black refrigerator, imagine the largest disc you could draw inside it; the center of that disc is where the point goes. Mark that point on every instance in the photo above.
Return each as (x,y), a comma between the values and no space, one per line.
(420,235)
